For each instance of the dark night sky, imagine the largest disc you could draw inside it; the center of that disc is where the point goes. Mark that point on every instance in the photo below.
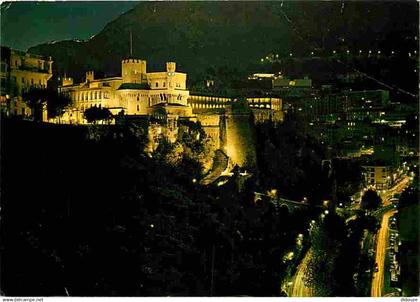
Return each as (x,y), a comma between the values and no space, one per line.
(25,24)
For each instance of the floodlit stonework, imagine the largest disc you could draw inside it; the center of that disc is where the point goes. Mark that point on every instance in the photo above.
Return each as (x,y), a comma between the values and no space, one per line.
(21,71)
(136,92)
(163,100)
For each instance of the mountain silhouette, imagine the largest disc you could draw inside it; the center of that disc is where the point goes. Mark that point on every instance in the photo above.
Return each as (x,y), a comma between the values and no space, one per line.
(207,37)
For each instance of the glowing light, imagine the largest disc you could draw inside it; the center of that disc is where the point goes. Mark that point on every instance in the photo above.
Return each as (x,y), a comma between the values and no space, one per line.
(194,180)
(152,226)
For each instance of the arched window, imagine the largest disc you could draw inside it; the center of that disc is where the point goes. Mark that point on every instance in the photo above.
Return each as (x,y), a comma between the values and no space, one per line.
(100,94)
(91,96)
(96,95)
(157,84)
(164,84)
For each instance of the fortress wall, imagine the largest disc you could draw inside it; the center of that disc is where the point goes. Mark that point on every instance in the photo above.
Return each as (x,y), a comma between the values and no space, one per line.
(211,126)
(240,135)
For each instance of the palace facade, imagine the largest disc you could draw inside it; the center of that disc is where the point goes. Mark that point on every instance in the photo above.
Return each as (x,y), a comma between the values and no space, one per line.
(136,92)
(19,72)
(163,100)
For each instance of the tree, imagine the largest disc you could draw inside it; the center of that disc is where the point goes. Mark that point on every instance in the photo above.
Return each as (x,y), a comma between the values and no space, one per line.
(56,104)
(370,200)
(327,238)
(94,114)
(35,98)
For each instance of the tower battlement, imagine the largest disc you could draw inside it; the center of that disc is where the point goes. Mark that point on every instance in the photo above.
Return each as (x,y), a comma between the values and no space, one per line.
(90,76)
(170,66)
(133,70)
(125,61)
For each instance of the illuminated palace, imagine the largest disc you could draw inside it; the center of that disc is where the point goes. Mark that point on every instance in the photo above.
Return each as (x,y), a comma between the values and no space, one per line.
(19,72)
(163,96)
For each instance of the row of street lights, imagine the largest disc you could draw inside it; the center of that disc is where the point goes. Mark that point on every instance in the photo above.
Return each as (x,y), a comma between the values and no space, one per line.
(348,52)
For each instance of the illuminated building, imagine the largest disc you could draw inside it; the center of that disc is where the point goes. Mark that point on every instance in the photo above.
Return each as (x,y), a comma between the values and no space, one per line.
(286,83)
(163,101)
(136,92)
(19,72)
(378,176)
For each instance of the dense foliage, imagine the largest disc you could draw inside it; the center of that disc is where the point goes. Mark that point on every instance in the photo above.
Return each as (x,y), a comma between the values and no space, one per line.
(55,102)
(370,200)
(338,265)
(291,161)
(95,114)
(99,217)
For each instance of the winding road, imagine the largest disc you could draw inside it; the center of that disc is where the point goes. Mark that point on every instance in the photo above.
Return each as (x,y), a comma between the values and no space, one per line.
(382,238)
(299,289)
(378,277)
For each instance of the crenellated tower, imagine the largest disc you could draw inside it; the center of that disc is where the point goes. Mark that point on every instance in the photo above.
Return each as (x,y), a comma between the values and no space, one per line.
(133,71)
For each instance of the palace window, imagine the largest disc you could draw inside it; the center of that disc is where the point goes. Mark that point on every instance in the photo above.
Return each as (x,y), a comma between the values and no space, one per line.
(164,84)
(100,94)
(138,108)
(96,95)
(157,84)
